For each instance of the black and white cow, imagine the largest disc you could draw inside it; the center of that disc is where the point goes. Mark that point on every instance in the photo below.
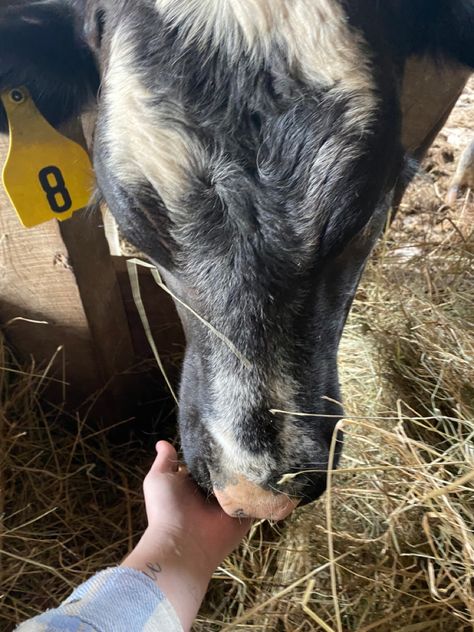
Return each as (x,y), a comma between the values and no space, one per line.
(252,149)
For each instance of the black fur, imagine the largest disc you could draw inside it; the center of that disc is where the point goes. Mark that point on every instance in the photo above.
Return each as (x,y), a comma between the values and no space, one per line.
(442,28)
(42,47)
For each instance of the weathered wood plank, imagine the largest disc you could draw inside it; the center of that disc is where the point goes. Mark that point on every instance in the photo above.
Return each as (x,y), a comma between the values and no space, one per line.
(163,318)
(62,276)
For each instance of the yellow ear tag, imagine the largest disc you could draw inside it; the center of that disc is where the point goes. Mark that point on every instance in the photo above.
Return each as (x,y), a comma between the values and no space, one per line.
(46,175)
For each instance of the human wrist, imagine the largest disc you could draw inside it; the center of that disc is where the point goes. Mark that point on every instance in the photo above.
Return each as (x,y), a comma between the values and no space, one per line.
(176,571)
(178,549)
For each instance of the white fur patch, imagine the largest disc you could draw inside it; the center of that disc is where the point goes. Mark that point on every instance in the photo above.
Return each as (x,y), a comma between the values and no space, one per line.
(315,34)
(236,395)
(145,139)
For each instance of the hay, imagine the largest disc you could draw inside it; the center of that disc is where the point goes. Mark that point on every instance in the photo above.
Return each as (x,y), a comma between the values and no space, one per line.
(69,498)
(390,547)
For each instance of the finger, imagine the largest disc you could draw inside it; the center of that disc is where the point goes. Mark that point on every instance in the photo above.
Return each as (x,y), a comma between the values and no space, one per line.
(166,460)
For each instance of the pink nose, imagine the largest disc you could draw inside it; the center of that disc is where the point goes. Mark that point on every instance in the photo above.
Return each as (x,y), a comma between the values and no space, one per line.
(247,499)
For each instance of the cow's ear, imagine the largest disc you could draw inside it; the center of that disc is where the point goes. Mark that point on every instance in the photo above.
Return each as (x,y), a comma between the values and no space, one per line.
(43,47)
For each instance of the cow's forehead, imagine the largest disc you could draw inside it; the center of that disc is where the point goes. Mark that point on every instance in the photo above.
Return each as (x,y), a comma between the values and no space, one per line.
(314,34)
(174,126)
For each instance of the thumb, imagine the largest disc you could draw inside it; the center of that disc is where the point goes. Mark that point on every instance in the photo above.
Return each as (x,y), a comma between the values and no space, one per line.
(166,461)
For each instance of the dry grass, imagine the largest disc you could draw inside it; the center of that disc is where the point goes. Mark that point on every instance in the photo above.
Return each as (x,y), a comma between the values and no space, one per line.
(389,548)
(69,497)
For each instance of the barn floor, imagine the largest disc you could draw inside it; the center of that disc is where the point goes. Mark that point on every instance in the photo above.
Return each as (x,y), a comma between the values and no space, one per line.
(389,548)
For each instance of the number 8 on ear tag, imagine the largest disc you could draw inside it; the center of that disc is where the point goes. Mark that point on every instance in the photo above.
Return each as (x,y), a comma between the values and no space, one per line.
(46,175)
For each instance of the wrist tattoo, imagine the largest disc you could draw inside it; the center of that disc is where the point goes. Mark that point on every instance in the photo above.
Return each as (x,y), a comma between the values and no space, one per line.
(153,570)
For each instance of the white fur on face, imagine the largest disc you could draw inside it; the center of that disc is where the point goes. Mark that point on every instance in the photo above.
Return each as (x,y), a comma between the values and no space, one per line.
(315,34)
(145,140)
(152,141)
(320,46)
(236,395)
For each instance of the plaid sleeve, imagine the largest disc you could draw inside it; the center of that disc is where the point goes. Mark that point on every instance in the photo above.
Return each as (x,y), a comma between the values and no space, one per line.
(114,600)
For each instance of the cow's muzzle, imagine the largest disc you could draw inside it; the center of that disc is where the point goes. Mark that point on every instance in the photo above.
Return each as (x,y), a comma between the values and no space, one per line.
(246,499)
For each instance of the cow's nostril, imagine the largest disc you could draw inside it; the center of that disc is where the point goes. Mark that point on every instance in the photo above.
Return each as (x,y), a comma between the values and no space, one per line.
(246,499)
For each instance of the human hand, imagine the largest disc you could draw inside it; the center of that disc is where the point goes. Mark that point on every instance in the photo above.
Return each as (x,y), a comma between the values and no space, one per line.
(176,508)
(187,536)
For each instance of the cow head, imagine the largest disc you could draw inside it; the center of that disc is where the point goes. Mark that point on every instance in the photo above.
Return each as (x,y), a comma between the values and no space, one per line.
(251,149)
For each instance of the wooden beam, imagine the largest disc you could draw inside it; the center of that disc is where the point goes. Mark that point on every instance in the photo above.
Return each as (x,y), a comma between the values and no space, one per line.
(163,318)
(62,277)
